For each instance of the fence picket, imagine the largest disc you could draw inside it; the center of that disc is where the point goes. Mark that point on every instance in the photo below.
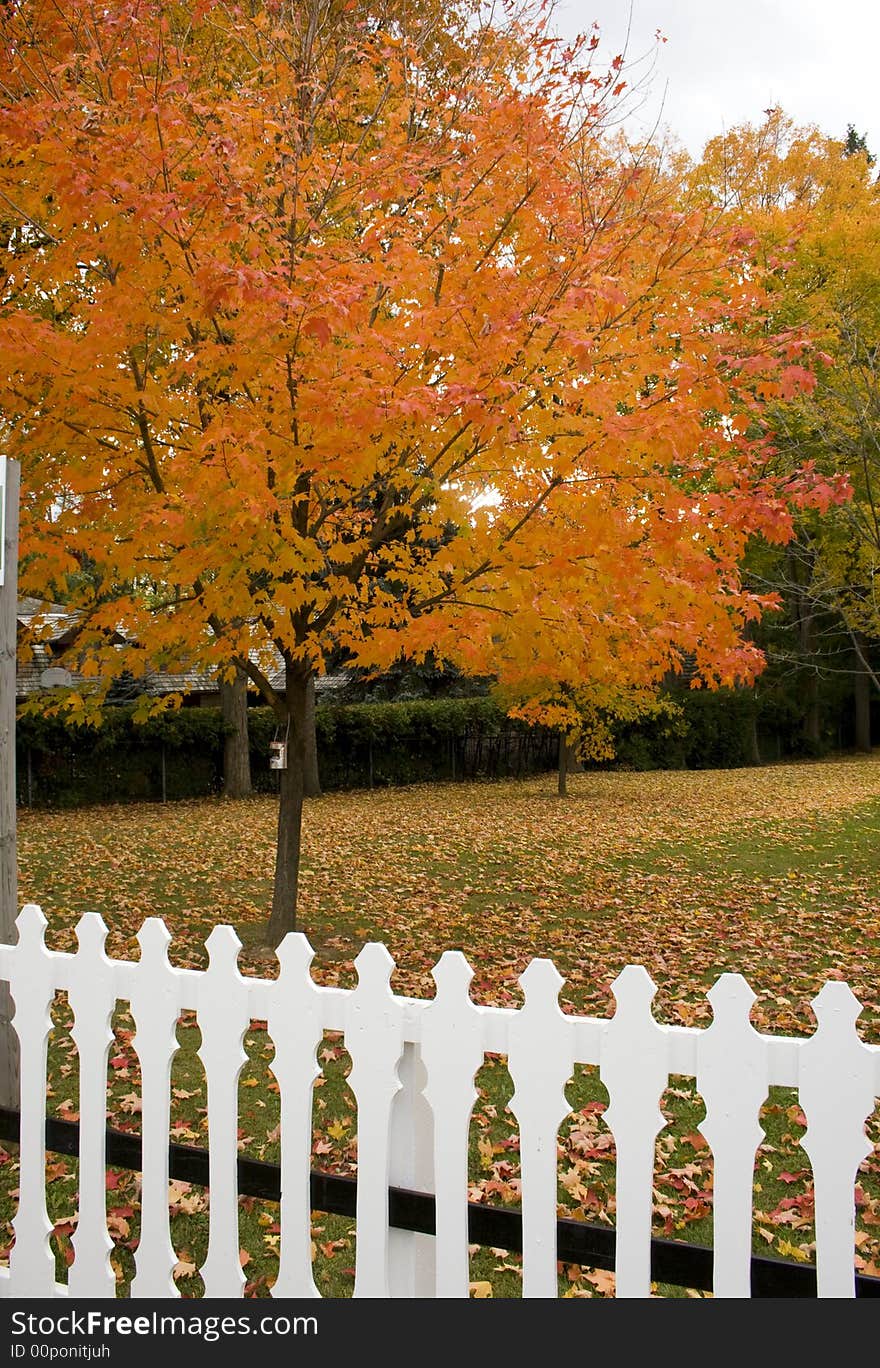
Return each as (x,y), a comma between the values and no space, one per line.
(411,1262)
(837,1095)
(374,1039)
(540,1062)
(92,997)
(295,1025)
(633,1068)
(154,999)
(223,1019)
(32,1263)
(452,1052)
(732,1080)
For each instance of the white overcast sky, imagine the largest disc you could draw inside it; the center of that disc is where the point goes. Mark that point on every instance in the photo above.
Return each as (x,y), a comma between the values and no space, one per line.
(726,61)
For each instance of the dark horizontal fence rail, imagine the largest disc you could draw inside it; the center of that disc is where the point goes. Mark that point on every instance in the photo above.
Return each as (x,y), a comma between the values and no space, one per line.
(673,1262)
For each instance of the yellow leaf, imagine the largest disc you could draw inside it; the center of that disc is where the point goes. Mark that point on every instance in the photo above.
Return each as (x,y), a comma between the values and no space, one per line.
(480,1289)
(791,1251)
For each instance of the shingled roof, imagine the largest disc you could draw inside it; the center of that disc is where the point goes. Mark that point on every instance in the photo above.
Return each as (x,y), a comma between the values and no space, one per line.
(36,675)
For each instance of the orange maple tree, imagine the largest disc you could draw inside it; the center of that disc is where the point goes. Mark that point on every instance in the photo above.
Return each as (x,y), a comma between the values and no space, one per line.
(320,343)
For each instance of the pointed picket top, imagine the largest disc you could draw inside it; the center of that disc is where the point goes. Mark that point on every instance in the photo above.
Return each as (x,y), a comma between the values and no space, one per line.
(223,947)
(453,975)
(374,969)
(91,934)
(837,1008)
(373,1016)
(633,1033)
(540,1046)
(452,1037)
(634,989)
(541,982)
(31,925)
(732,999)
(154,938)
(295,954)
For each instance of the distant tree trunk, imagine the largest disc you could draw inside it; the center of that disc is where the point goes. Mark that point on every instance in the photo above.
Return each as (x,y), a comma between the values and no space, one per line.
(564,754)
(806,621)
(311,778)
(862,700)
(753,748)
(290,805)
(236,748)
(812,728)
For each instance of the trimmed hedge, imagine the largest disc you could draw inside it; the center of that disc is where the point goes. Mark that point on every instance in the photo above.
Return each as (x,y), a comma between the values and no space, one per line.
(180,754)
(360,745)
(715,729)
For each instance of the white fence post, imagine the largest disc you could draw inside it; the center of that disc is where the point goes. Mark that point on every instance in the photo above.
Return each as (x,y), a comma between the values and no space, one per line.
(634,1069)
(541,1063)
(452,1050)
(374,1039)
(732,1078)
(294,1023)
(154,999)
(92,997)
(223,1020)
(837,1095)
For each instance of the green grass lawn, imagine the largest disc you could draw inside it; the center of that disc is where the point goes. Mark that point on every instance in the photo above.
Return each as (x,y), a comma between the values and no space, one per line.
(770,872)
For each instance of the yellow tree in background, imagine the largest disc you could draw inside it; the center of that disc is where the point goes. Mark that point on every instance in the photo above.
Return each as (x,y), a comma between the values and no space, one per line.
(814,205)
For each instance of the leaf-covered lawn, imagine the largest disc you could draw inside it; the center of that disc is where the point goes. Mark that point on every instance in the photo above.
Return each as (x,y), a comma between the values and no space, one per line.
(772,872)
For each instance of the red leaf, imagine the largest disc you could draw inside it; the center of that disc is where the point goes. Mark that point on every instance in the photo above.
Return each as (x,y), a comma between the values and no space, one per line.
(319,328)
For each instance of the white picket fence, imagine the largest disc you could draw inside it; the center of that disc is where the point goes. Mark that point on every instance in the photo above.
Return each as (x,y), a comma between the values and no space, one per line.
(413,1068)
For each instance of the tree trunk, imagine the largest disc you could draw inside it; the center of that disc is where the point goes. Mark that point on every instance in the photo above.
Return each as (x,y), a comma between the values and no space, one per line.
(236,748)
(562,785)
(862,700)
(9,1052)
(311,778)
(754,749)
(812,729)
(290,805)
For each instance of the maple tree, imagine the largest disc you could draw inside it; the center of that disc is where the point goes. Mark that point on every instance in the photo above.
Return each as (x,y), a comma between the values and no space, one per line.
(322,344)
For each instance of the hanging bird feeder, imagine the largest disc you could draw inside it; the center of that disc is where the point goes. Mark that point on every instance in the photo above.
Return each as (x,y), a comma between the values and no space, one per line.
(278,751)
